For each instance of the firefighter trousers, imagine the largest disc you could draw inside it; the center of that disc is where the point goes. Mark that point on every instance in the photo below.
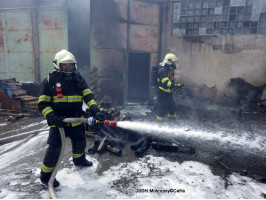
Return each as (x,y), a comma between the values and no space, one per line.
(78,140)
(166,105)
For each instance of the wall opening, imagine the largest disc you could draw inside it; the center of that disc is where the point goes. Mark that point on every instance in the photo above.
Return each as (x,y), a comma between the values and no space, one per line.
(138,77)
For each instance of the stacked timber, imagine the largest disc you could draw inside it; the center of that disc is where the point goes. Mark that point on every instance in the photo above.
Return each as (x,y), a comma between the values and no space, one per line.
(111,113)
(29,104)
(15,101)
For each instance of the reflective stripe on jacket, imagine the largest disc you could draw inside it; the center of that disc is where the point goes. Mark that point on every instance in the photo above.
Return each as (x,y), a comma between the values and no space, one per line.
(166,79)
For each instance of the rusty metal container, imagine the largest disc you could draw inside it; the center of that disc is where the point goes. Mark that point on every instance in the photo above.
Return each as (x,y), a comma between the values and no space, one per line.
(30,35)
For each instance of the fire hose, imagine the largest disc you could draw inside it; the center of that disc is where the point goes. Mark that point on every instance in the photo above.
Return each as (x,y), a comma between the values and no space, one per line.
(14,137)
(91,121)
(51,180)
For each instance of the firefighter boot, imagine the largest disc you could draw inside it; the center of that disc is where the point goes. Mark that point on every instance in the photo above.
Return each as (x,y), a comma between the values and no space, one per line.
(172,119)
(160,120)
(45,177)
(82,161)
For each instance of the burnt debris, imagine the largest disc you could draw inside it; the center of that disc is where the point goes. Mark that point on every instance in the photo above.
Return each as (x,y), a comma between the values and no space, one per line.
(109,138)
(247,92)
(114,139)
(251,101)
(141,146)
(171,147)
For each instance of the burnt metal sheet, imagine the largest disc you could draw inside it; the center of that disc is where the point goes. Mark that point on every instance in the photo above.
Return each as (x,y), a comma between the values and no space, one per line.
(154,60)
(110,73)
(109,34)
(110,9)
(112,88)
(113,36)
(53,36)
(143,38)
(108,43)
(110,63)
(16,45)
(144,13)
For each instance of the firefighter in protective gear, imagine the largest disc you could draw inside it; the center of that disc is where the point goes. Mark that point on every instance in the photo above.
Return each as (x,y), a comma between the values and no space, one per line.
(61,96)
(166,86)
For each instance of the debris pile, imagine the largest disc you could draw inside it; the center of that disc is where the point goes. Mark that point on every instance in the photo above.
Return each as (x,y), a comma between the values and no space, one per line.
(252,100)
(15,101)
(107,138)
(251,111)
(248,92)
(102,144)
(141,146)
(171,147)
(114,139)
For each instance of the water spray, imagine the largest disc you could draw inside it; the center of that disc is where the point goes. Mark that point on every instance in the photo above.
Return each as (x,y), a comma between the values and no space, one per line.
(163,130)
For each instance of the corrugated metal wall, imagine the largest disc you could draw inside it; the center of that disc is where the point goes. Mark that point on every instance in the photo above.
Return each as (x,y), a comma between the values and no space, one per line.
(30,37)
(53,36)
(16,47)
(117,28)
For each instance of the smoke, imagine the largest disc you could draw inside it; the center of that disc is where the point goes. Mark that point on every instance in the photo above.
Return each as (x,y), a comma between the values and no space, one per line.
(79,33)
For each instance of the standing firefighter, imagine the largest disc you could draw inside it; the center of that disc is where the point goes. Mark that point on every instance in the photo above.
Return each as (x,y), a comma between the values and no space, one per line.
(166,85)
(62,96)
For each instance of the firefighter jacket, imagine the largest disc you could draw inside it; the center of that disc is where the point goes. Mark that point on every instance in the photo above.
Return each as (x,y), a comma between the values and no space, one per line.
(166,81)
(63,95)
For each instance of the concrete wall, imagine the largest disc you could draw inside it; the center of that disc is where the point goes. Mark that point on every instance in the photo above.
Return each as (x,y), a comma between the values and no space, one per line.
(208,62)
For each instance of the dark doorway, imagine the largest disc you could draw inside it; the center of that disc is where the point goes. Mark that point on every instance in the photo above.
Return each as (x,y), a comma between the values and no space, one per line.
(138,77)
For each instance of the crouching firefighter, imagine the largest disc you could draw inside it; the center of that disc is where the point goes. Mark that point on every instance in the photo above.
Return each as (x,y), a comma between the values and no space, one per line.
(61,96)
(165,88)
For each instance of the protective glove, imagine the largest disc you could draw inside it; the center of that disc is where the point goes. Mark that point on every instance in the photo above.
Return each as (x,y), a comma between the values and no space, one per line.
(88,113)
(100,116)
(58,122)
(178,85)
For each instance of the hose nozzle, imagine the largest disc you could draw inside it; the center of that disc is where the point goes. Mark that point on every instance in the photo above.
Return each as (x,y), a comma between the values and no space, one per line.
(92,121)
(110,123)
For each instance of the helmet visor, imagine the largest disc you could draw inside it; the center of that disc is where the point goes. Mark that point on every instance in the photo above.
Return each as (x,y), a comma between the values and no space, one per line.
(174,62)
(67,67)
